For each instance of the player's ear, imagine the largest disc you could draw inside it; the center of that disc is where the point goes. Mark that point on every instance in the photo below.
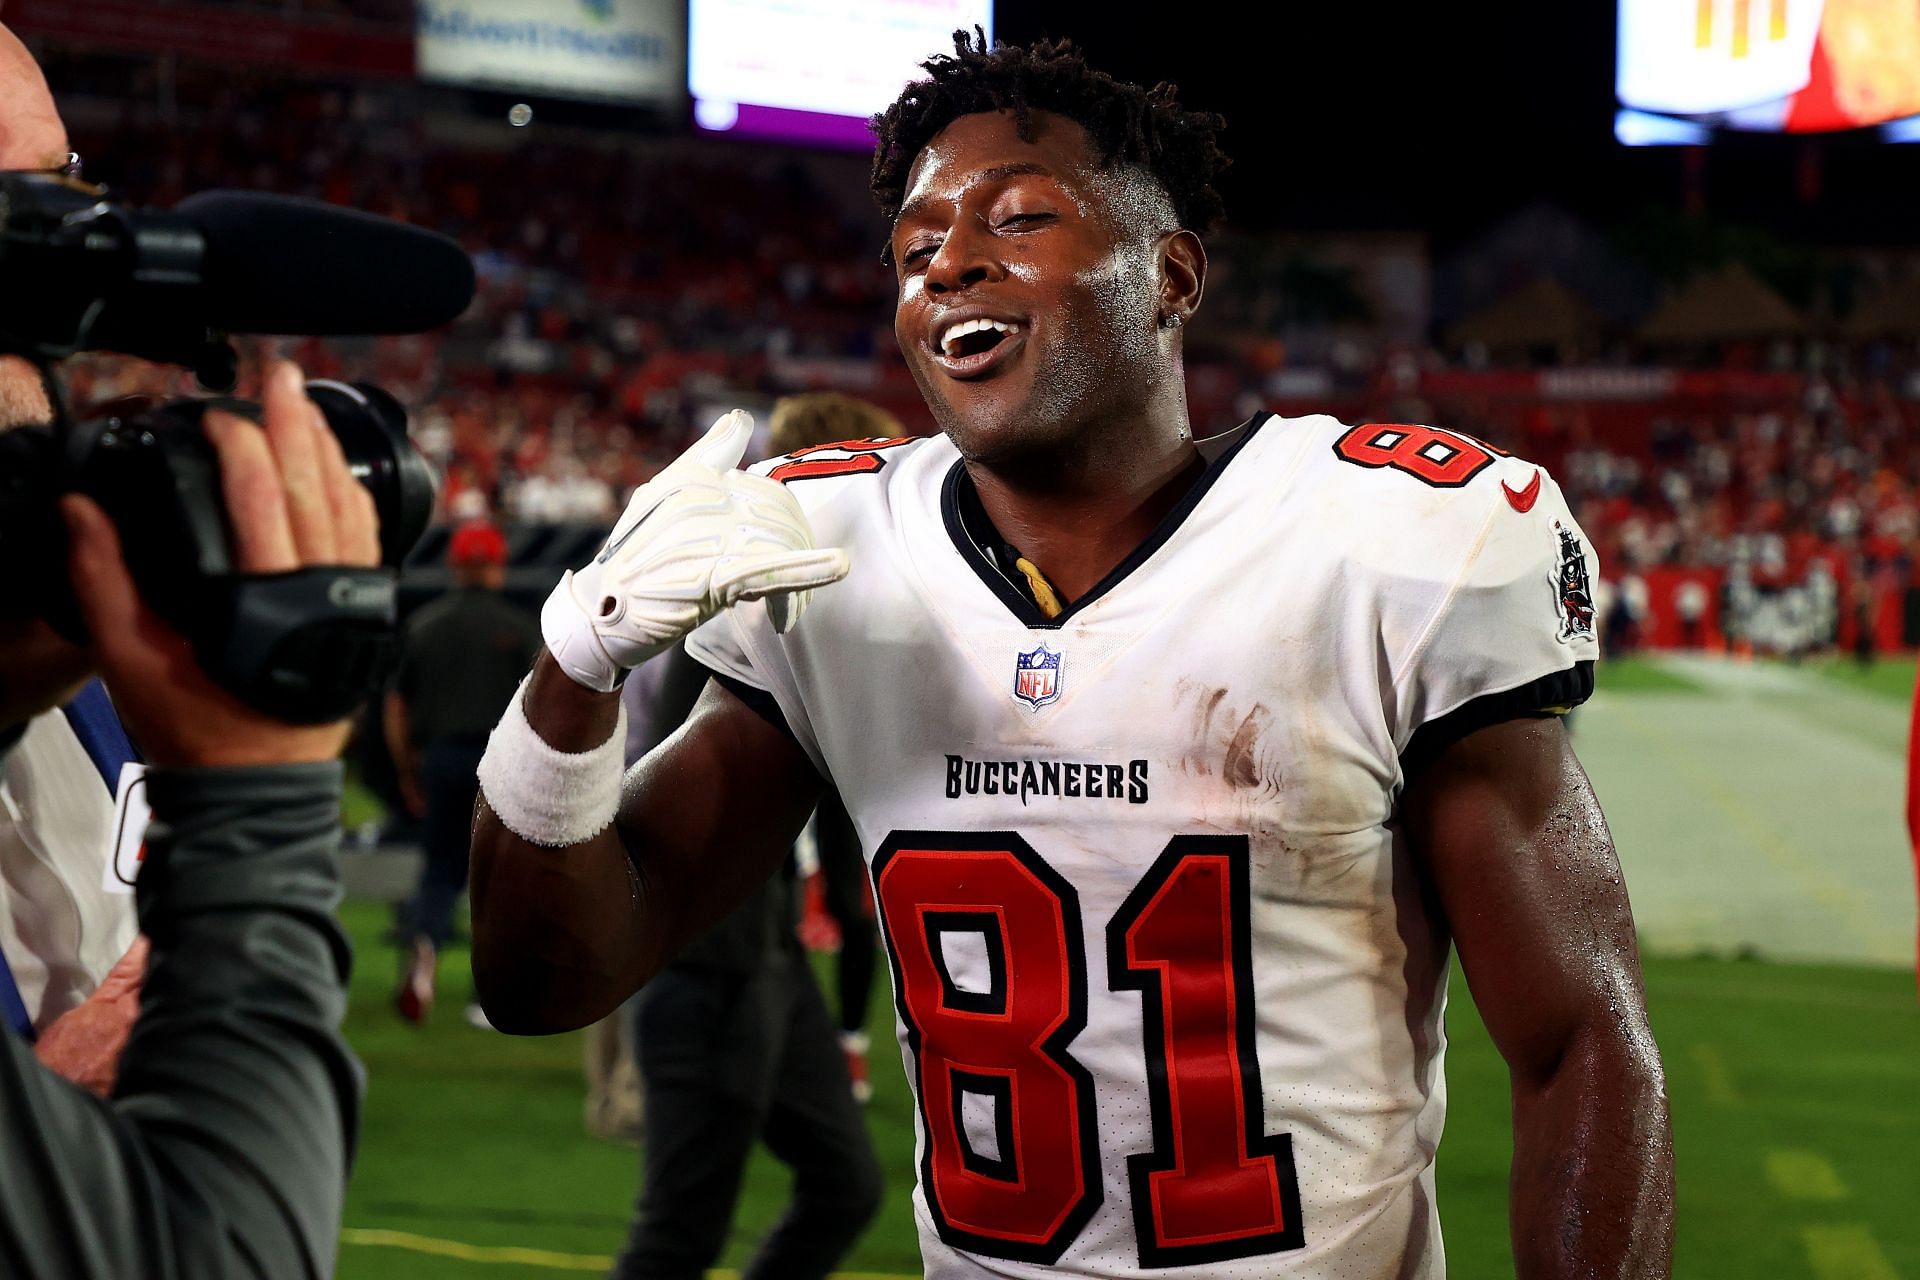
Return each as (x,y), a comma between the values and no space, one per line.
(1183,276)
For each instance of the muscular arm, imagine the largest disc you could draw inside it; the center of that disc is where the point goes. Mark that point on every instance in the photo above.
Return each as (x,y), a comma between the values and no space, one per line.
(1524,867)
(562,936)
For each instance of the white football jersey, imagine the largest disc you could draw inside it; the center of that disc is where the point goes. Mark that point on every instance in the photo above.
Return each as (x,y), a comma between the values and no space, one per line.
(1169,992)
(61,929)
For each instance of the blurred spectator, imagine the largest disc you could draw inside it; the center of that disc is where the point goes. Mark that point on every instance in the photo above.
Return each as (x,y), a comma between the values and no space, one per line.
(591,351)
(1690,602)
(63,930)
(822,417)
(462,658)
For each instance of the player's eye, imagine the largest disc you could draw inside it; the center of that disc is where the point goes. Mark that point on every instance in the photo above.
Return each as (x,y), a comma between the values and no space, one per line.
(918,254)
(1018,221)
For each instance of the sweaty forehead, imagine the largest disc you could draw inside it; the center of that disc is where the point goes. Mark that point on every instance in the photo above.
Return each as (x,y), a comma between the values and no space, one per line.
(984,146)
(987,146)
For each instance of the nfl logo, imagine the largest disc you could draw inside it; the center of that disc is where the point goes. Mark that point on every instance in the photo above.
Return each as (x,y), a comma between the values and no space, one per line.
(1036,677)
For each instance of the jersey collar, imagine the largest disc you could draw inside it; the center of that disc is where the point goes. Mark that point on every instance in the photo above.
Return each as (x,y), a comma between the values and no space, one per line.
(991,556)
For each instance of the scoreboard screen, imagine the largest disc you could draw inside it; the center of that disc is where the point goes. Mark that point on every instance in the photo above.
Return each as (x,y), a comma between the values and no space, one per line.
(812,71)
(1689,69)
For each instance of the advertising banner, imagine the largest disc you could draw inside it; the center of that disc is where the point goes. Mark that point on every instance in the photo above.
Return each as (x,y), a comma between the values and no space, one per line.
(614,50)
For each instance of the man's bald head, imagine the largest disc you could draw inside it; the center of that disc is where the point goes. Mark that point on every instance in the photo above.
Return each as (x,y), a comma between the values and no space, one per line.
(31,135)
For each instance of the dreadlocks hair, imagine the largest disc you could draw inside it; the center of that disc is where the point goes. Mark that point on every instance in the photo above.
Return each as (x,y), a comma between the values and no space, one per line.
(1126,123)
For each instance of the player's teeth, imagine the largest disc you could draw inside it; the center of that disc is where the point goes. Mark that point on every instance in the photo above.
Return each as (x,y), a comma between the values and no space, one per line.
(966,327)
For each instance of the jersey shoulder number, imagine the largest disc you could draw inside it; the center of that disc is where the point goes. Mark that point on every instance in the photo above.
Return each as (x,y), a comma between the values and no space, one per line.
(840,458)
(1435,457)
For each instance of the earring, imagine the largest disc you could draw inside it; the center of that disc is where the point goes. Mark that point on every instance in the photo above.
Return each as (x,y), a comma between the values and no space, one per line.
(1171,321)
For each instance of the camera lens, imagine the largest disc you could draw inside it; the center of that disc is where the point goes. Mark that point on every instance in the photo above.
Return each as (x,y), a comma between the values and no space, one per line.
(372,430)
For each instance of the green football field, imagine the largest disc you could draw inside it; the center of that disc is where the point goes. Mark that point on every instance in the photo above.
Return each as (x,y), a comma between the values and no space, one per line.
(1795,1086)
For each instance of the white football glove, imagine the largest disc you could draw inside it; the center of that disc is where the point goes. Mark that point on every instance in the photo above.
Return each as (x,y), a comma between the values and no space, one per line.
(696,538)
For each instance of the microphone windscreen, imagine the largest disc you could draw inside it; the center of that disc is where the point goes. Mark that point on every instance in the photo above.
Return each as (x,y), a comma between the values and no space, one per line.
(284,265)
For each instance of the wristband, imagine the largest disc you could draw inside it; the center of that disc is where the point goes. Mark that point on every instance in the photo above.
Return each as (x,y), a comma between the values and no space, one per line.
(544,795)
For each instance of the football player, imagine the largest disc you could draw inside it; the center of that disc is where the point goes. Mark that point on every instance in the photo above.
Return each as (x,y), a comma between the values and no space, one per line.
(1180,764)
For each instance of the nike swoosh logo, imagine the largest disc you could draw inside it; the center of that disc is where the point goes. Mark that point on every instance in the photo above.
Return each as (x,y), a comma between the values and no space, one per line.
(1522,500)
(606,553)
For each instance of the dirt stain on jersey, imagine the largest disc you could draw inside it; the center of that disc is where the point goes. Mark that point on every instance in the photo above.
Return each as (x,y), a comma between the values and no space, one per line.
(1226,742)
(1205,701)
(1275,779)
(1241,767)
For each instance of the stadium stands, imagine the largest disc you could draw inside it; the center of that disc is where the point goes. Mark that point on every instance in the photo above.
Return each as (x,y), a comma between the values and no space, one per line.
(593,351)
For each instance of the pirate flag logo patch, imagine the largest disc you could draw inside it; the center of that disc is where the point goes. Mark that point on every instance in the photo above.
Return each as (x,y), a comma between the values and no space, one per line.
(1576,592)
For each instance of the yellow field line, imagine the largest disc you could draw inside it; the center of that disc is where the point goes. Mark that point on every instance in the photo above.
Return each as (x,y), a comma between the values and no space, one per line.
(1804,1175)
(516,1256)
(1846,1253)
(511,1255)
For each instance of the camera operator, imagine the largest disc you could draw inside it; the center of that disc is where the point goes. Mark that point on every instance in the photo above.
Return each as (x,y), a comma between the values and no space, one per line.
(223,1151)
(70,963)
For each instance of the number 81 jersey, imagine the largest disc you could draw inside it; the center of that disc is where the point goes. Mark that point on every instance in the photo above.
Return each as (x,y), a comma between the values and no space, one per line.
(1169,990)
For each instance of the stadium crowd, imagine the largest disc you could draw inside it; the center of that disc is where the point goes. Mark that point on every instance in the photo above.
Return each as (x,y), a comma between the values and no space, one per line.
(592,352)
(1808,518)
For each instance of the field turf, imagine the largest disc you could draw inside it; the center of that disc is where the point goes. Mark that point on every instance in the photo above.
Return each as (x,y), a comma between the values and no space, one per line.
(1795,1087)
(1796,1096)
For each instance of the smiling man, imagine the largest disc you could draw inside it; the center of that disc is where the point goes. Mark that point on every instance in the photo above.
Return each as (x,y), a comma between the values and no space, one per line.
(1180,764)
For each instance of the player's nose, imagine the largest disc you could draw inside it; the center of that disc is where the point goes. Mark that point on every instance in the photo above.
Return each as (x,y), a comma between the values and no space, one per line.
(965,258)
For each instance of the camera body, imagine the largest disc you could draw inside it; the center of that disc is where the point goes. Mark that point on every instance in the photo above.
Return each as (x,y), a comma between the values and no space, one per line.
(168,285)
(305,645)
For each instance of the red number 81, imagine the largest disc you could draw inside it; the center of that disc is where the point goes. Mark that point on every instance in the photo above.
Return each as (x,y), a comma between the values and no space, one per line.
(1020,1177)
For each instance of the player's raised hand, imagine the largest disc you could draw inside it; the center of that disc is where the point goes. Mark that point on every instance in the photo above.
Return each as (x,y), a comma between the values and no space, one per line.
(696,538)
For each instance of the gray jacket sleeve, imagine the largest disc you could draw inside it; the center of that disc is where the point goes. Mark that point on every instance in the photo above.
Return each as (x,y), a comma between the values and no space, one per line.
(225,1148)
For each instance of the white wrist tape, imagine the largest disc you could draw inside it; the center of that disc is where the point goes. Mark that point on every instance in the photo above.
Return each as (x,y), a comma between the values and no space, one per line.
(544,795)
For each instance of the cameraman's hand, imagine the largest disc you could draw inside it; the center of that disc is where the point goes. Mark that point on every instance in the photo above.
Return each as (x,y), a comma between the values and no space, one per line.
(293,503)
(695,539)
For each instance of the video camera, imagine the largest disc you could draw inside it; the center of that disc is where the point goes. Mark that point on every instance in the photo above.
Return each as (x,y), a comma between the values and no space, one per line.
(79,273)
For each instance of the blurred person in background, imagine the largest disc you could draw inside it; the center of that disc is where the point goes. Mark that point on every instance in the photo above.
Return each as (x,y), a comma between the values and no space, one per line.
(1160,836)
(70,959)
(71,963)
(460,660)
(805,421)
(1690,600)
(1864,602)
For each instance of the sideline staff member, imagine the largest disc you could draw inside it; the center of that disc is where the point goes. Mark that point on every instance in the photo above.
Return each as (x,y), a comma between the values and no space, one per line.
(463,656)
